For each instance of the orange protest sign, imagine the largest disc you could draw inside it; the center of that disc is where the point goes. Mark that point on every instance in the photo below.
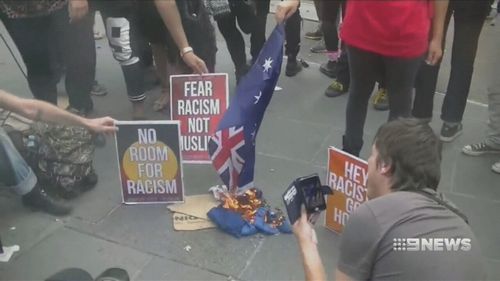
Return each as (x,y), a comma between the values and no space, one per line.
(347,177)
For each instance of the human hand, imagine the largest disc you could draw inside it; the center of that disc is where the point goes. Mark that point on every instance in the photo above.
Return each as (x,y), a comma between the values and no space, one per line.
(104,125)
(285,9)
(435,52)
(195,63)
(303,230)
(77,10)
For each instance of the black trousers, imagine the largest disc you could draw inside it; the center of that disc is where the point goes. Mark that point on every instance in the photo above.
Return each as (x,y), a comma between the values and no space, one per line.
(236,44)
(365,69)
(330,10)
(467,29)
(122,31)
(33,36)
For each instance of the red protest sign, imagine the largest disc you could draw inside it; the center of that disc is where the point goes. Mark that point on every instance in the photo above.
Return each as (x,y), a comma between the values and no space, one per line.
(347,177)
(198,102)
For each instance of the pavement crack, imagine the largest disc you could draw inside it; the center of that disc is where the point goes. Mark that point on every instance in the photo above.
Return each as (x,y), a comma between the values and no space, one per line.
(252,257)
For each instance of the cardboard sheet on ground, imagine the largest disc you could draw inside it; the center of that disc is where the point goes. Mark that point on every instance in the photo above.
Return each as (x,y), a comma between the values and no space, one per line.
(183,222)
(195,205)
(192,214)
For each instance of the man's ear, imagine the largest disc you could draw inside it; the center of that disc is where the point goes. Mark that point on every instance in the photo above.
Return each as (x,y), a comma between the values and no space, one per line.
(385,168)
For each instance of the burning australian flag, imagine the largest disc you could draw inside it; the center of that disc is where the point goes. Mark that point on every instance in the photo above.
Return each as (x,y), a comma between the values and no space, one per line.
(232,147)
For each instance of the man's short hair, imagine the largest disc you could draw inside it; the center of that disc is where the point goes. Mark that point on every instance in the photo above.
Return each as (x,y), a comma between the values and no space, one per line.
(413,151)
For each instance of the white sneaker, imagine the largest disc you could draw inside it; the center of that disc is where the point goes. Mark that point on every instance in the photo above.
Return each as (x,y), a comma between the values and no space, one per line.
(496,167)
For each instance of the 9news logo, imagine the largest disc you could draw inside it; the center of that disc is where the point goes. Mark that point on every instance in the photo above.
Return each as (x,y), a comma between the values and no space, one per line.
(431,244)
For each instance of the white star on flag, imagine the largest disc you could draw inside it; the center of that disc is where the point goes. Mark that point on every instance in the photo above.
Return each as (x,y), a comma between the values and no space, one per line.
(257,98)
(267,64)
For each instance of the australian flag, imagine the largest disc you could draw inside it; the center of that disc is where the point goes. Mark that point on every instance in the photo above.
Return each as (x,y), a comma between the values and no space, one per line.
(232,147)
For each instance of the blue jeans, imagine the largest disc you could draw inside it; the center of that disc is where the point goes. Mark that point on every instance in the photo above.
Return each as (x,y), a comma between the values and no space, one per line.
(14,171)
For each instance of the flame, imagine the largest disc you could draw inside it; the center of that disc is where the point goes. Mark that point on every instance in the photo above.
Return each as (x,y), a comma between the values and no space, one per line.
(247,205)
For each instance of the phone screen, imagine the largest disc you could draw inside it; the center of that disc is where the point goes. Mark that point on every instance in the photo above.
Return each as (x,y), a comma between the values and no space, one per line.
(314,199)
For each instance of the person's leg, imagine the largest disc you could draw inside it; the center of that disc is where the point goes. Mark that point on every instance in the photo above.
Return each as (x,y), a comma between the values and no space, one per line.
(123,40)
(79,52)
(490,144)
(493,137)
(465,42)
(258,37)
(340,84)
(318,33)
(292,46)
(330,16)
(17,175)
(426,82)
(400,78)
(364,67)
(31,38)
(235,43)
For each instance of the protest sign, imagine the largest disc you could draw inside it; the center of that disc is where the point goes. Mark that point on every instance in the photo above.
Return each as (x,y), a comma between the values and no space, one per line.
(347,177)
(198,102)
(150,163)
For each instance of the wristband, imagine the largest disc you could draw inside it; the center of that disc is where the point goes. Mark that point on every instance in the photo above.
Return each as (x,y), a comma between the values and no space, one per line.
(186,50)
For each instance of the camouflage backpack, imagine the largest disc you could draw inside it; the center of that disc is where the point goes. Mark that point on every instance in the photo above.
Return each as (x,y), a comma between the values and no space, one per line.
(65,157)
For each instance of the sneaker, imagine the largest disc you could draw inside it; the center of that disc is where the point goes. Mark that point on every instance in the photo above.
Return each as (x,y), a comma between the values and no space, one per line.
(314,35)
(292,68)
(496,167)
(381,100)
(319,48)
(38,199)
(479,149)
(328,68)
(98,89)
(335,89)
(449,132)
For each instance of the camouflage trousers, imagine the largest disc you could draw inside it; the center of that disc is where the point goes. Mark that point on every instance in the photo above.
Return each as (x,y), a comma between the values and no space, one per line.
(15,173)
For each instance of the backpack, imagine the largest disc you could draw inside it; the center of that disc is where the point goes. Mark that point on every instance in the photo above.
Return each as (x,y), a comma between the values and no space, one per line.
(63,158)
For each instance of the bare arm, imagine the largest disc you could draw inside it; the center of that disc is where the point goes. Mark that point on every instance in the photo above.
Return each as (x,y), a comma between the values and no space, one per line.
(436,44)
(285,9)
(42,111)
(306,236)
(172,19)
(441,8)
(313,266)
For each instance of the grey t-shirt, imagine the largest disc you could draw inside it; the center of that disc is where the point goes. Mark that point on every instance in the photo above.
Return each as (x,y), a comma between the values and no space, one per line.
(367,246)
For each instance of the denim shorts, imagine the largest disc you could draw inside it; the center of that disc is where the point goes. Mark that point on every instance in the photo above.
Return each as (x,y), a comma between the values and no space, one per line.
(14,171)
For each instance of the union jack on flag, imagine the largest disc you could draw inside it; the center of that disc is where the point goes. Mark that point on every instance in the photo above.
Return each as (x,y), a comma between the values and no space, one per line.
(232,147)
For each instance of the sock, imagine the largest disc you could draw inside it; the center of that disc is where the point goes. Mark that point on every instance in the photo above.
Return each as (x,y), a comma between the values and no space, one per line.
(333,56)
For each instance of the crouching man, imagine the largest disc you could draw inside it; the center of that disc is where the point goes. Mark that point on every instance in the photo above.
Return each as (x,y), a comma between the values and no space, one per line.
(15,172)
(406,231)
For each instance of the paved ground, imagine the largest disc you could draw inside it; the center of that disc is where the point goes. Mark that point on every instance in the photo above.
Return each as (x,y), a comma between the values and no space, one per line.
(299,126)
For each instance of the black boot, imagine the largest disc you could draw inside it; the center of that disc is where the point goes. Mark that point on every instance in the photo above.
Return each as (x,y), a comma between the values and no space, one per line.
(38,200)
(89,182)
(292,68)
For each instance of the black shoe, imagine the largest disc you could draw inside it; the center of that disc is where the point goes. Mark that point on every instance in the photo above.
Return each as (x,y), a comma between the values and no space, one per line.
(450,132)
(38,200)
(328,68)
(113,274)
(292,68)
